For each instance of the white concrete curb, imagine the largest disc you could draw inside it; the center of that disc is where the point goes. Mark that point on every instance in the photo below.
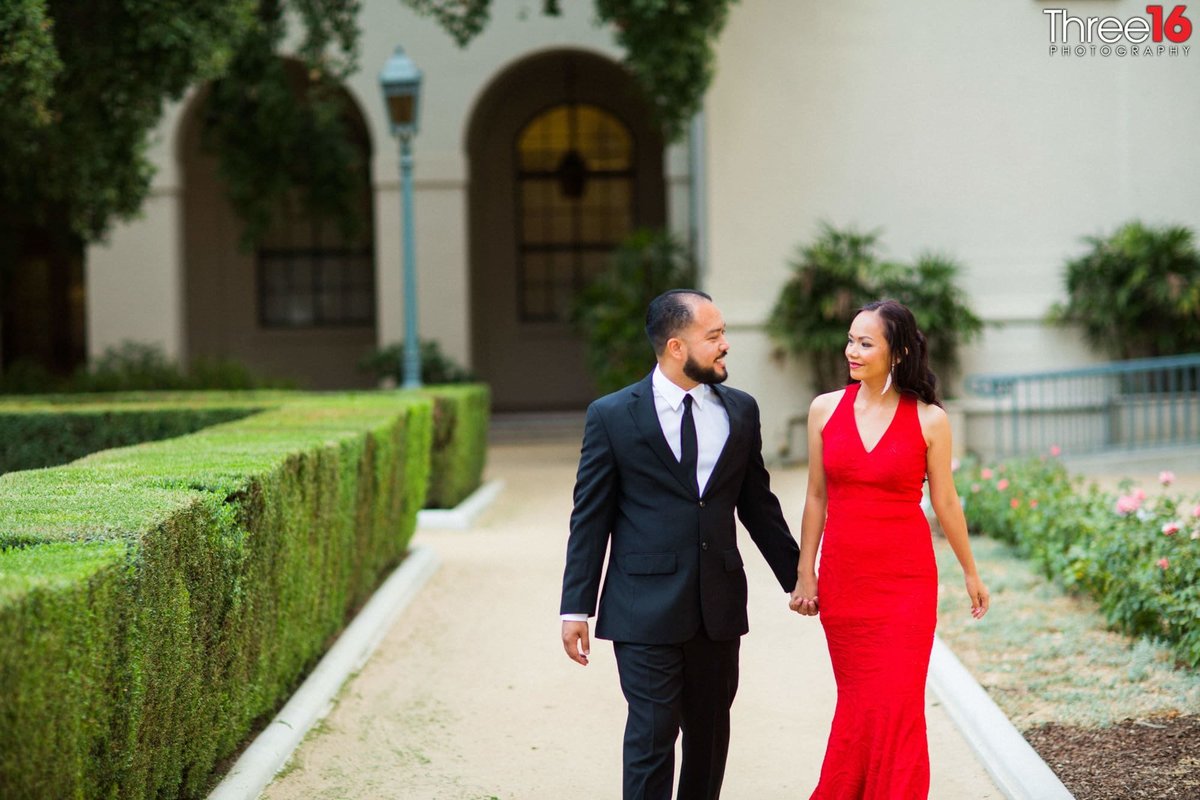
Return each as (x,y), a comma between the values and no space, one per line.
(463,515)
(1014,765)
(271,749)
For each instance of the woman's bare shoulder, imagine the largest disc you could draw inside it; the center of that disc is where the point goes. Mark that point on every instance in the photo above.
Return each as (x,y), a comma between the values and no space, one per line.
(931,415)
(823,405)
(935,424)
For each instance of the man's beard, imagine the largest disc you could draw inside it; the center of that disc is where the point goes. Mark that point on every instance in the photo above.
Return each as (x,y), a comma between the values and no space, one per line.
(700,374)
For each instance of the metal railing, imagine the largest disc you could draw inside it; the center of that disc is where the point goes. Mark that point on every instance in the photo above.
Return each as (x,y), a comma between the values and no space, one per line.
(1148,402)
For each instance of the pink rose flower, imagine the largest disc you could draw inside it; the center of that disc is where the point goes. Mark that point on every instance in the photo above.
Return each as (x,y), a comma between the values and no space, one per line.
(1166,477)
(986,474)
(954,465)
(1015,503)
(1170,529)
(1196,511)
(1127,504)
(1055,450)
(1163,563)
(1139,495)
(1002,484)
(975,487)
(1033,503)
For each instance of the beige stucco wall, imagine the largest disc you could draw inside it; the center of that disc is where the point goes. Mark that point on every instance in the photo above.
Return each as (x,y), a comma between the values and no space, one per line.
(948,125)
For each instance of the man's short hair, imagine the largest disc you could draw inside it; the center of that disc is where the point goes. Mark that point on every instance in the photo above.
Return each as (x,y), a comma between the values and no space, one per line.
(668,314)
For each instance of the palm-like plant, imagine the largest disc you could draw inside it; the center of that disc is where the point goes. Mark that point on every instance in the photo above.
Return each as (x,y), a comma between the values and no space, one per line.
(1136,293)
(840,272)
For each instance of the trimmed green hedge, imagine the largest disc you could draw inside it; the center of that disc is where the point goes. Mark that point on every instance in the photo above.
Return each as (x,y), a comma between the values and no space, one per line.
(460,425)
(158,601)
(1138,556)
(48,430)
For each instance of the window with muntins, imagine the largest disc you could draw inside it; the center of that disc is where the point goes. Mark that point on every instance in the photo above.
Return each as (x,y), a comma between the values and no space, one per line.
(575,203)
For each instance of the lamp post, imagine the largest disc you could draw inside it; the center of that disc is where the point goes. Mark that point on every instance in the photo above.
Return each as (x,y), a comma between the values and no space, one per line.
(400,81)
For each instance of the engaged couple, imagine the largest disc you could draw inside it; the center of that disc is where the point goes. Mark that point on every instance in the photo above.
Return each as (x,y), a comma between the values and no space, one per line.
(667,462)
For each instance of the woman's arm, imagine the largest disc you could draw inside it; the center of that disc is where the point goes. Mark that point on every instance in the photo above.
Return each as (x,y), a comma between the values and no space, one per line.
(812,525)
(936,427)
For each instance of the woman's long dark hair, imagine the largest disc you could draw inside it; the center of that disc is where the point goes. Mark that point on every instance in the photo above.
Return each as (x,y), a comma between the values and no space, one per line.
(912,374)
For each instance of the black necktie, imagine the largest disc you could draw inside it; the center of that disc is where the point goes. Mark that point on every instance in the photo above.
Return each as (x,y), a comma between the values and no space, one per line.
(689,448)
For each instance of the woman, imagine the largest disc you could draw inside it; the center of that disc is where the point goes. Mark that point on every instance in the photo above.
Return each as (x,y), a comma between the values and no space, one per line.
(871,447)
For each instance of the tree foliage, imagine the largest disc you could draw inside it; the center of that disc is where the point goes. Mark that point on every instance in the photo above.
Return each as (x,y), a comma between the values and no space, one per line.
(1136,293)
(840,272)
(668,44)
(81,87)
(29,65)
(281,131)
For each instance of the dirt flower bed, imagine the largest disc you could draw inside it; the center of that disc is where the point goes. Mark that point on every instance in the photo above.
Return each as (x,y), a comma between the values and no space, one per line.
(1112,716)
(1156,758)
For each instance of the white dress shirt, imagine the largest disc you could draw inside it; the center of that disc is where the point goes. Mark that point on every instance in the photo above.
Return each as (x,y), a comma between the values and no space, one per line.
(712,422)
(712,429)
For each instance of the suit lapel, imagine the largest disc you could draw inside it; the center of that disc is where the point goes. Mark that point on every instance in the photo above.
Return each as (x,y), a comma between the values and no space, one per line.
(645,416)
(737,428)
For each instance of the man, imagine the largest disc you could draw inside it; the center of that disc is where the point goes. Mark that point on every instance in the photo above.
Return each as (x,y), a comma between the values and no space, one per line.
(664,464)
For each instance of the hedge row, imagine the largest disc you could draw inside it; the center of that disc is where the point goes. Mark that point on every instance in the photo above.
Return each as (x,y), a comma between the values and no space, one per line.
(460,425)
(1138,556)
(50,430)
(158,601)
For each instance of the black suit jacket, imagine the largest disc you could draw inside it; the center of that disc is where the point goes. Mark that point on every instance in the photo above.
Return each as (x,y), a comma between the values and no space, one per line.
(674,559)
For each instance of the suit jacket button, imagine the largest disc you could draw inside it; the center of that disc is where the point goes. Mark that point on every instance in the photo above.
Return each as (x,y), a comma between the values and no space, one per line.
(704,545)
(702,504)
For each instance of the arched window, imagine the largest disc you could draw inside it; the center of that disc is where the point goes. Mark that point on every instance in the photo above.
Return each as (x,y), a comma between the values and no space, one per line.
(575,194)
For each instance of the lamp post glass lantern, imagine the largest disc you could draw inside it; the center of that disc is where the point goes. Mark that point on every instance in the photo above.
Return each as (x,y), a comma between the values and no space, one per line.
(400,81)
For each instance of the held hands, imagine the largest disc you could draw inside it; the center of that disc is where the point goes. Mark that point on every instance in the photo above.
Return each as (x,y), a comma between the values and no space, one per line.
(804,597)
(575,641)
(980,599)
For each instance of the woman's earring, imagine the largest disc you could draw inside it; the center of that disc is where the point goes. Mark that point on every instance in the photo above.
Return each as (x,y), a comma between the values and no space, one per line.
(887,384)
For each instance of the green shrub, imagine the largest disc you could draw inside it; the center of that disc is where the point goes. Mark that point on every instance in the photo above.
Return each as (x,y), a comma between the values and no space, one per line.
(1138,557)
(158,600)
(842,271)
(460,426)
(611,311)
(1136,293)
(436,367)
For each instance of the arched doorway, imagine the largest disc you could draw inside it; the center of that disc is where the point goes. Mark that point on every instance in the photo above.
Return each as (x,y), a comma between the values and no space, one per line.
(300,305)
(565,163)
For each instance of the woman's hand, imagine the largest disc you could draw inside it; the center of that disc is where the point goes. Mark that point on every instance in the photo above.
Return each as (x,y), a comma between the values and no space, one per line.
(980,599)
(804,596)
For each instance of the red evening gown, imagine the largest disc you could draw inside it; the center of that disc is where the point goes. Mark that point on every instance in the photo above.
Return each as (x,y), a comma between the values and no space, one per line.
(877,588)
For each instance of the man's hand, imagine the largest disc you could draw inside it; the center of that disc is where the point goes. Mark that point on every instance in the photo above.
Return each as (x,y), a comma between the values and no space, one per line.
(575,641)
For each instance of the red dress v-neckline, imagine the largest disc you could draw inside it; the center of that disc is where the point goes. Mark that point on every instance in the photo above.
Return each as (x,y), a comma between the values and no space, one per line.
(850,395)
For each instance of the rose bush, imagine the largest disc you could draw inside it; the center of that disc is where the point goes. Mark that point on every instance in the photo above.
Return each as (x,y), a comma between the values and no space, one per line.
(1138,556)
